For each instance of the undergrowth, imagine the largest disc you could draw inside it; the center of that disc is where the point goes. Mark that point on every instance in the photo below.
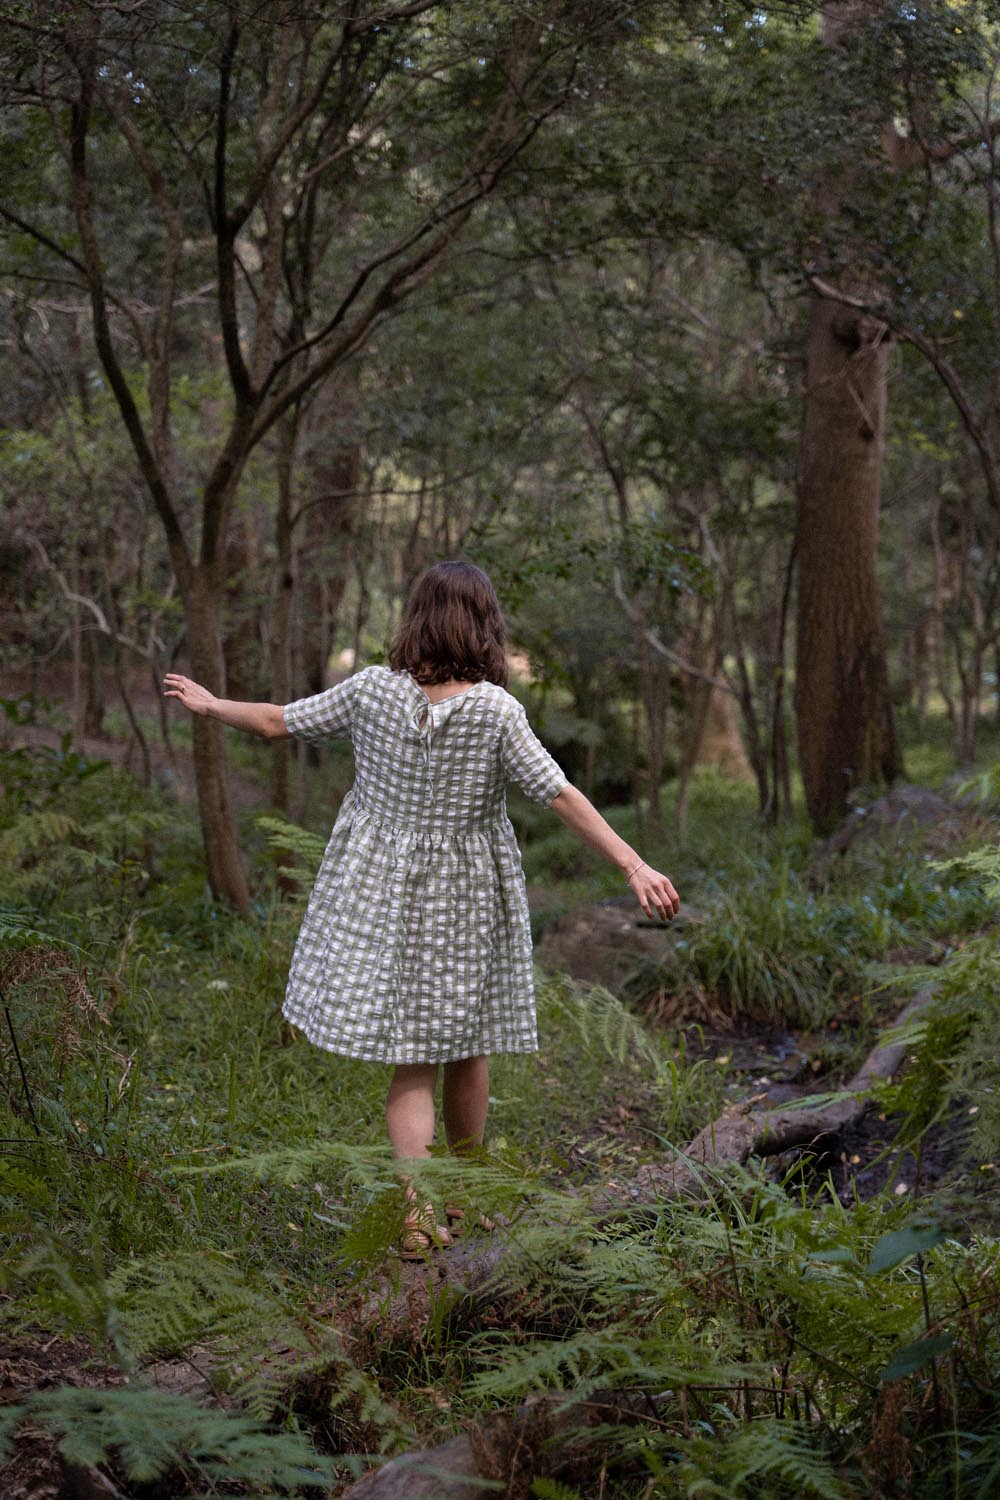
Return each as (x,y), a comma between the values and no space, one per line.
(179,1178)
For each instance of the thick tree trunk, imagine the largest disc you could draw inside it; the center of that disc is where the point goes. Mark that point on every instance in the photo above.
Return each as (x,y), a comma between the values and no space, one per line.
(222,852)
(844,718)
(843,713)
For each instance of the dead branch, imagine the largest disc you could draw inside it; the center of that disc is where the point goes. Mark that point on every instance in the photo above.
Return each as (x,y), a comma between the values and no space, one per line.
(744,1130)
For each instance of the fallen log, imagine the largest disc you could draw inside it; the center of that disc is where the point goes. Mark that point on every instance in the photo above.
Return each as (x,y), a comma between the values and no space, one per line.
(745,1129)
(548,1437)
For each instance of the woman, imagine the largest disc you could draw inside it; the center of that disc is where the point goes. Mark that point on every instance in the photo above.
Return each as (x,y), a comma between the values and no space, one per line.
(415,949)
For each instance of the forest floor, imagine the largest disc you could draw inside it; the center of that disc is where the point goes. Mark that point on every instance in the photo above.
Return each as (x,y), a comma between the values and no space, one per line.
(223,1184)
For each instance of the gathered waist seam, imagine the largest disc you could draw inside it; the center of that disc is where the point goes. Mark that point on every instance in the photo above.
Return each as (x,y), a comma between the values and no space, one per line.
(500,824)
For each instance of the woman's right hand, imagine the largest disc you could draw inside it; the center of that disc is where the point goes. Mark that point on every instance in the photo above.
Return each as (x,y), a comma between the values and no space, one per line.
(654,893)
(196,699)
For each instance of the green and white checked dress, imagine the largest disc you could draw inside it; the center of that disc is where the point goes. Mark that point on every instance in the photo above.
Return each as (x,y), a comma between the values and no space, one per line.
(416,945)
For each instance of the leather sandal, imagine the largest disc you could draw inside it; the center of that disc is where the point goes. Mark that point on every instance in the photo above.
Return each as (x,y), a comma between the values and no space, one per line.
(456,1220)
(421,1234)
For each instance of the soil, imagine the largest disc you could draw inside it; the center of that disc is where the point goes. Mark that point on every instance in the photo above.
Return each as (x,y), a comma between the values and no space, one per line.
(866,1158)
(35,1471)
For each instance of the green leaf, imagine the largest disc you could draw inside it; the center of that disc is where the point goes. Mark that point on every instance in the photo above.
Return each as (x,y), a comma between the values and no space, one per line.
(893,1248)
(912,1357)
(836,1255)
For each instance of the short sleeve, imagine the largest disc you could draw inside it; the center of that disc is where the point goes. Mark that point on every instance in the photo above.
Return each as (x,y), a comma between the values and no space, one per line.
(526,761)
(324,716)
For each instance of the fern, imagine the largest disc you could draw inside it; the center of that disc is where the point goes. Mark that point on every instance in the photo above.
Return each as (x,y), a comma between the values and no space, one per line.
(168,1305)
(18,930)
(782,1454)
(148,1433)
(288,838)
(553,1489)
(982,865)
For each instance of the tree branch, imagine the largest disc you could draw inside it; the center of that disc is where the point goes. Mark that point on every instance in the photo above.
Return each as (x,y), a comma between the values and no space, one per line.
(159,352)
(907,152)
(80,192)
(657,644)
(947,374)
(86,602)
(404,280)
(225,231)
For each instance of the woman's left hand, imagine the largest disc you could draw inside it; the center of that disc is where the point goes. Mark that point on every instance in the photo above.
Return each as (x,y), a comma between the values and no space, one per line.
(196,699)
(655,894)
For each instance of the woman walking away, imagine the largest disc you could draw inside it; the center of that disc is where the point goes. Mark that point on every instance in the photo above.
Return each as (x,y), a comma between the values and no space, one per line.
(415,948)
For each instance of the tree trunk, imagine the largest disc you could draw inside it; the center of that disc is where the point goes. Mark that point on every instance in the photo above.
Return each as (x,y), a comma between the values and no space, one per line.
(846,734)
(281,607)
(654,689)
(329,522)
(226,877)
(243,592)
(94,703)
(844,721)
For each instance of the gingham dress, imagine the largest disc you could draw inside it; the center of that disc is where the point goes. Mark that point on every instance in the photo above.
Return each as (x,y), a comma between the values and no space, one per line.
(416,945)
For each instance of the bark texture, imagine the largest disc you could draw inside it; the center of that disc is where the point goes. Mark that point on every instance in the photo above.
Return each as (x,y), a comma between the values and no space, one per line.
(226,876)
(843,712)
(846,734)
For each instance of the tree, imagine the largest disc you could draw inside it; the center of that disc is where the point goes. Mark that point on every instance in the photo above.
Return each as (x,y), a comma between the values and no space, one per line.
(277,162)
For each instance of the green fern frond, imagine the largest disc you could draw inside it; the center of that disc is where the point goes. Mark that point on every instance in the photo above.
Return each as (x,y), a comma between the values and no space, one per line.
(149,1432)
(18,930)
(981,864)
(290,838)
(35,831)
(782,1454)
(553,1489)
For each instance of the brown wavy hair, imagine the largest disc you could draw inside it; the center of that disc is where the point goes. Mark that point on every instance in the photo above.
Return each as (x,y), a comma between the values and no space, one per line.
(452,627)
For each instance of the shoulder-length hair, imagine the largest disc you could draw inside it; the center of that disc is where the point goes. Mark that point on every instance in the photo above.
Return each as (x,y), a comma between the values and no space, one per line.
(452,627)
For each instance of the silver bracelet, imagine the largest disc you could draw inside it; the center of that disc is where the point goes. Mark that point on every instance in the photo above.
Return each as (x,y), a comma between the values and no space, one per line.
(639,866)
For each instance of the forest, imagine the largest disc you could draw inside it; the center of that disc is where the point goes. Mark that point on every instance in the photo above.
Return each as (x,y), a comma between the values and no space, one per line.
(681,318)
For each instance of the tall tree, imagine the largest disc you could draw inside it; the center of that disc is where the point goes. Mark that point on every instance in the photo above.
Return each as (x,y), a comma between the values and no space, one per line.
(846,734)
(305,168)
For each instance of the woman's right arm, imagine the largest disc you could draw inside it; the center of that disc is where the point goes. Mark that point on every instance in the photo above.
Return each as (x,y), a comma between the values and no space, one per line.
(267,719)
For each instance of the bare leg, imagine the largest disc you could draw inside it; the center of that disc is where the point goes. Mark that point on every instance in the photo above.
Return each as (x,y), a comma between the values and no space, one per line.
(409,1117)
(409,1109)
(466,1100)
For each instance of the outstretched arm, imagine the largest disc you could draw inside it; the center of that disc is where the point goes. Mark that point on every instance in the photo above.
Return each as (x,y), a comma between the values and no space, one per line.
(267,719)
(653,891)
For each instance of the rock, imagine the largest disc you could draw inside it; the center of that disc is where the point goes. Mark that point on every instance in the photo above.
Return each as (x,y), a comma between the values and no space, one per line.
(611,943)
(891,819)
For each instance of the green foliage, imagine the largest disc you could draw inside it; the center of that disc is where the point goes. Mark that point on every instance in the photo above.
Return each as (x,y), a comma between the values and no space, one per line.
(774,946)
(781,1456)
(151,1433)
(198,1186)
(289,839)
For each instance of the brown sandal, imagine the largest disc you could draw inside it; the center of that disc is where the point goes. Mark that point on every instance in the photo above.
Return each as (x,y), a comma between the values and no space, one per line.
(456,1220)
(421,1234)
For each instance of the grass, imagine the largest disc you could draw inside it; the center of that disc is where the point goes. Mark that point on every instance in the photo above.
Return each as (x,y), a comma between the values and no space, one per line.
(197,1176)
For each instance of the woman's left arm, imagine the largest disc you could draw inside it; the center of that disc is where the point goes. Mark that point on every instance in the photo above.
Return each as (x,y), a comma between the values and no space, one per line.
(267,719)
(654,892)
